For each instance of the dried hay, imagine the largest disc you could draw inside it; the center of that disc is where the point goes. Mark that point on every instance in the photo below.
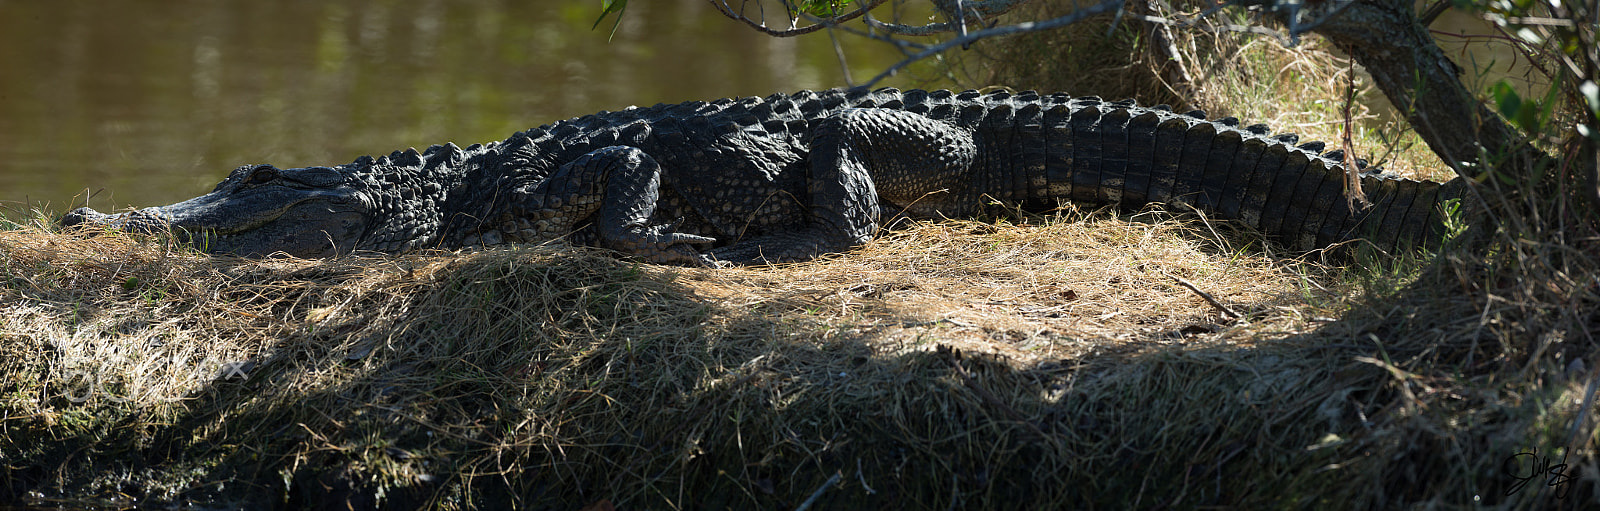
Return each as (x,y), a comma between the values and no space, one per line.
(1051,363)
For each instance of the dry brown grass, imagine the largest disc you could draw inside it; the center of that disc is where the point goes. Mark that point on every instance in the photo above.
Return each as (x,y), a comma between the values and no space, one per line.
(1055,363)
(907,364)
(995,283)
(1051,364)
(1488,354)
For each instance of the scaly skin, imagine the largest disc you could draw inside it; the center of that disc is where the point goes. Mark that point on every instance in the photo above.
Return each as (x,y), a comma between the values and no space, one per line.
(789,177)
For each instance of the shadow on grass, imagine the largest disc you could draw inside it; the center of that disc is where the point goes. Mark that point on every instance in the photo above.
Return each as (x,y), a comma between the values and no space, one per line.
(556,379)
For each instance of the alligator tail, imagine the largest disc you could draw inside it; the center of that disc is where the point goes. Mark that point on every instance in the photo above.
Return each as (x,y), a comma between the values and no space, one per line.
(1097,152)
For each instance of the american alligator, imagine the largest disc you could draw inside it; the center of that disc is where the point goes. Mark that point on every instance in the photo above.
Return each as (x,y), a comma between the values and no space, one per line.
(789,177)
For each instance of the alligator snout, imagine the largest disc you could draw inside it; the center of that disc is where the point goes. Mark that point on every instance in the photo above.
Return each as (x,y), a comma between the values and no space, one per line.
(148,220)
(82,216)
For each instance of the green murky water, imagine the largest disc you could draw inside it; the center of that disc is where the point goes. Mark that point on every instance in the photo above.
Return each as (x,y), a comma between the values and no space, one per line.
(150,102)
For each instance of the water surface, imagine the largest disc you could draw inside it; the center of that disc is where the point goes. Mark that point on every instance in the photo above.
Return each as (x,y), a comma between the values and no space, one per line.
(148,102)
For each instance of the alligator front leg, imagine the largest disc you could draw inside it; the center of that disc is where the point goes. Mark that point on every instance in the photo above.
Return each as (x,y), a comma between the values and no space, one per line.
(616,186)
(857,157)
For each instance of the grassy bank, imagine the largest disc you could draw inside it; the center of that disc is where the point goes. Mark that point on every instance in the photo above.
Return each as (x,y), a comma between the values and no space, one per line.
(1057,362)
(1489,352)
(1073,361)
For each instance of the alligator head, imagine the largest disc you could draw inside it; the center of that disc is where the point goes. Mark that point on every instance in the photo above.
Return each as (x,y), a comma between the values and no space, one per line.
(258,210)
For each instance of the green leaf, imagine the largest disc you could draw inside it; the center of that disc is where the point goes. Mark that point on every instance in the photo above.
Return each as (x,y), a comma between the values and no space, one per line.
(822,8)
(607,7)
(1528,119)
(1507,99)
(1547,107)
(1529,114)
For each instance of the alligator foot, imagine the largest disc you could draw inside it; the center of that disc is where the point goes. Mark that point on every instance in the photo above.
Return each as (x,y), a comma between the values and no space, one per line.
(857,173)
(618,186)
(656,243)
(779,248)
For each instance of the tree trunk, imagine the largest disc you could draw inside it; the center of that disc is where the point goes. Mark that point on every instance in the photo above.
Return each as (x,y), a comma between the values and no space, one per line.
(1387,39)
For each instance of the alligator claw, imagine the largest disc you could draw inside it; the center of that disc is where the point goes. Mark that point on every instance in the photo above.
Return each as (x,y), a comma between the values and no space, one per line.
(664,235)
(659,244)
(678,238)
(708,261)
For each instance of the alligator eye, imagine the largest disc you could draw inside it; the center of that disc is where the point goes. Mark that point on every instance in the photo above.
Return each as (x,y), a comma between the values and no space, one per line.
(262,175)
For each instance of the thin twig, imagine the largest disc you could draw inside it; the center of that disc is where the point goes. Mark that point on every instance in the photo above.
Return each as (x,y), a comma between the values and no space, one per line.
(1289,11)
(1301,28)
(814,495)
(1432,13)
(958,18)
(1352,175)
(1215,28)
(838,54)
(1179,81)
(1226,312)
(863,478)
(761,26)
(1579,424)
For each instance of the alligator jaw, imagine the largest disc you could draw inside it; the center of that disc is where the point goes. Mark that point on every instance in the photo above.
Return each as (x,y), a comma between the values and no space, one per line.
(151,220)
(148,220)
(301,223)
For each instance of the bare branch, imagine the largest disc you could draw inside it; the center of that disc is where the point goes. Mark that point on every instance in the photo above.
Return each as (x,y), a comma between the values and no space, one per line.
(793,30)
(961,13)
(838,54)
(1215,28)
(1291,12)
(979,8)
(912,30)
(1295,28)
(1103,7)
(955,10)
(1548,22)
(1353,195)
